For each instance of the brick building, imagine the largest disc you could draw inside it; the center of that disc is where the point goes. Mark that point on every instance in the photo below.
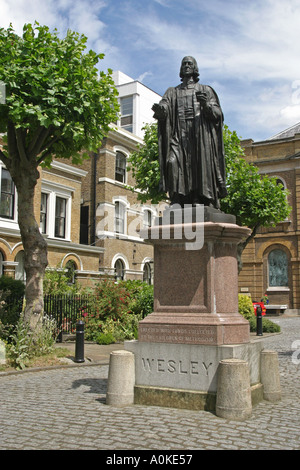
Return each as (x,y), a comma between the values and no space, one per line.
(110,212)
(57,207)
(271,262)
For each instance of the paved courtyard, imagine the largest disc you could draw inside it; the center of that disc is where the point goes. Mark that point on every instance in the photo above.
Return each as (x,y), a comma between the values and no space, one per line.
(65,409)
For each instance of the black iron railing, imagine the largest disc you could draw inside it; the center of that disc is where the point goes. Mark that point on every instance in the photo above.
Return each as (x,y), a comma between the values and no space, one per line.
(67,310)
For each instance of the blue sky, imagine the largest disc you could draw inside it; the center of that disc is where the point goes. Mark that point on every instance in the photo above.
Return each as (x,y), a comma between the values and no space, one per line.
(248,51)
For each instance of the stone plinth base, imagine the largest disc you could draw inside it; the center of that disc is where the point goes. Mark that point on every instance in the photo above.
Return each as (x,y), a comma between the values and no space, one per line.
(186,376)
(185,399)
(195,324)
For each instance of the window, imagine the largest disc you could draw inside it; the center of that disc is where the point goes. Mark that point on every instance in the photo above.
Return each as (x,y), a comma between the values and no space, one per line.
(280,181)
(119,270)
(120,174)
(20,274)
(127,113)
(60,217)
(55,213)
(84,225)
(147,274)
(147,218)
(70,273)
(278,268)
(43,213)
(7,201)
(119,217)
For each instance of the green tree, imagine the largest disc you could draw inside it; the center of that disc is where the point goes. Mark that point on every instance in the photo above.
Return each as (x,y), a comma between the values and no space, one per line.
(256,200)
(144,165)
(57,104)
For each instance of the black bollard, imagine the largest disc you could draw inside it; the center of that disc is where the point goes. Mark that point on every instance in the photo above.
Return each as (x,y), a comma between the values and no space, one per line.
(259,321)
(79,346)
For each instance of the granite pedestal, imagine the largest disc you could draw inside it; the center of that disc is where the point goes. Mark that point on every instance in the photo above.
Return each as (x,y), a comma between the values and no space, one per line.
(195,323)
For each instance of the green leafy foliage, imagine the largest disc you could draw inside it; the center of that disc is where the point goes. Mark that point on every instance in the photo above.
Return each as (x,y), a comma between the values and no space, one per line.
(246,307)
(56,281)
(117,308)
(24,345)
(11,303)
(55,96)
(13,287)
(145,169)
(57,105)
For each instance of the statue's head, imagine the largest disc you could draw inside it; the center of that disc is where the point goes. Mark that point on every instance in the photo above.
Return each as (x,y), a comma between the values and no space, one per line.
(195,67)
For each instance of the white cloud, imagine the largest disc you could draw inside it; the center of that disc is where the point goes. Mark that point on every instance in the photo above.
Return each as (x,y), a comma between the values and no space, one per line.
(78,15)
(247,50)
(81,16)
(253,40)
(142,77)
(19,12)
(291,113)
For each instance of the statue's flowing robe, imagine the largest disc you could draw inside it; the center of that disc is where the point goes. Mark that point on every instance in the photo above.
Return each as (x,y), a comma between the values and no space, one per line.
(191,151)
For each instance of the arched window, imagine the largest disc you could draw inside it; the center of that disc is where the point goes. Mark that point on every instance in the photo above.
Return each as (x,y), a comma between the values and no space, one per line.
(120,173)
(278,268)
(281,182)
(20,268)
(70,273)
(119,270)
(147,273)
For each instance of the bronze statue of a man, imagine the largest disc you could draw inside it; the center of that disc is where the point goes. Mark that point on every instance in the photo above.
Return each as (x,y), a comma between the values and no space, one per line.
(190,135)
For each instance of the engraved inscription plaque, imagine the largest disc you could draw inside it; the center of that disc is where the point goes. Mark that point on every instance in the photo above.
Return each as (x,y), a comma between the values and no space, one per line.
(190,334)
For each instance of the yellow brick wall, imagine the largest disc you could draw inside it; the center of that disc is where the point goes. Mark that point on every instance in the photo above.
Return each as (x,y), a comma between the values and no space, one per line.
(275,157)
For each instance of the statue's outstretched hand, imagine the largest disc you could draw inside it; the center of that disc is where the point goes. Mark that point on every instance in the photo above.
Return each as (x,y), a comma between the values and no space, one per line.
(159,112)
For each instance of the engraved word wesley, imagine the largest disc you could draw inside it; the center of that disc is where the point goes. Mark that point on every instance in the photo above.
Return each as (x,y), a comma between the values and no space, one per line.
(171,366)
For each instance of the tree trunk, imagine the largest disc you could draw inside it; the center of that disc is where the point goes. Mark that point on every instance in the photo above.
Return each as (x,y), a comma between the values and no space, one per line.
(22,164)
(35,249)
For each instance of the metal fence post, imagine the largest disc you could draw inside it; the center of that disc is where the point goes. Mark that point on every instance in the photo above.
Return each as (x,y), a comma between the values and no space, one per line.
(259,331)
(79,346)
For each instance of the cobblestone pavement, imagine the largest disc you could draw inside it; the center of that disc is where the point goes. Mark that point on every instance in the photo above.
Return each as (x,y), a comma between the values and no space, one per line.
(65,409)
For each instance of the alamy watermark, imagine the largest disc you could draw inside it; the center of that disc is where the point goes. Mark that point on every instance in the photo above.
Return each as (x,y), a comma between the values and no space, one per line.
(152,222)
(2,93)
(296,353)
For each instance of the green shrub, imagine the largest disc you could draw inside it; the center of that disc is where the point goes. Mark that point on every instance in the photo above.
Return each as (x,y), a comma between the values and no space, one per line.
(56,281)
(269,326)
(105,338)
(117,308)
(11,303)
(245,307)
(142,299)
(26,344)
(14,287)
(20,346)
